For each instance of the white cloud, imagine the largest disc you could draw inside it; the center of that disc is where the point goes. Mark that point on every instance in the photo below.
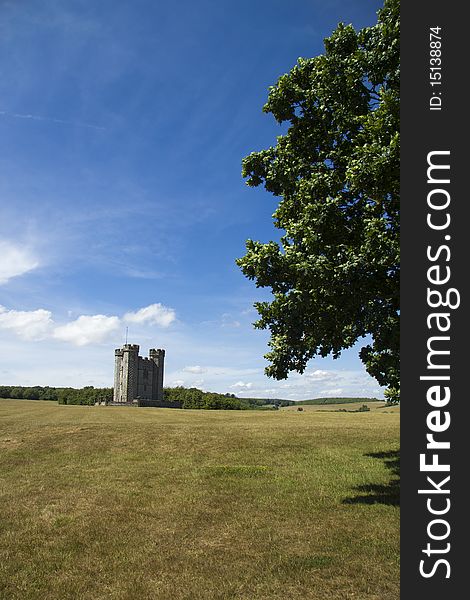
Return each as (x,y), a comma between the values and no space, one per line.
(196,369)
(332,392)
(318,374)
(87,329)
(29,325)
(14,261)
(155,314)
(176,382)
(242,385)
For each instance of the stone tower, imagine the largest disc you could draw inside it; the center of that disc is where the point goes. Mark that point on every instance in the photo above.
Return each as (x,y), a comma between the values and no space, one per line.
(158,357)
(137,379)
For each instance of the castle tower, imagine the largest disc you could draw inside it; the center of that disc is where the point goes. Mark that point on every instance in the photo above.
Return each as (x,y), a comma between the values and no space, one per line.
(136,379)
(126,371)
(158,358)
(118,354)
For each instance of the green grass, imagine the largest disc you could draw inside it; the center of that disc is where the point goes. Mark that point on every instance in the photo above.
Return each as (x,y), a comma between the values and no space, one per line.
(161,504)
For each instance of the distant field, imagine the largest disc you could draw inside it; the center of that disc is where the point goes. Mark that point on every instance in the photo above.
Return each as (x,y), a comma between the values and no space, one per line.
(159,504)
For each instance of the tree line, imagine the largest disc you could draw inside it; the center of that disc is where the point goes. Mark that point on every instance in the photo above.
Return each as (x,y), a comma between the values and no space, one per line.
(188,397)
(64,395)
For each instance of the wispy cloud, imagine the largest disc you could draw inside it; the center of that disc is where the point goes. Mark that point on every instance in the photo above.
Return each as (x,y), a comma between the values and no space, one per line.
(13,115)
(228,321)
(196,369)
(15,260)
(331,392)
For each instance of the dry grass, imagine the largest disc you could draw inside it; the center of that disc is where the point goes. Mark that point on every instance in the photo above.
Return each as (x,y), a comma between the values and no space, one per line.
(159,504)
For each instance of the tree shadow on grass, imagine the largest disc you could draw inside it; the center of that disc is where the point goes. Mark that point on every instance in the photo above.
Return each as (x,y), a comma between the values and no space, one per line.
(381,493)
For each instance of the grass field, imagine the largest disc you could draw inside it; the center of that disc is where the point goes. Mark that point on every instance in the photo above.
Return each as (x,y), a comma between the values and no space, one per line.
(160,504)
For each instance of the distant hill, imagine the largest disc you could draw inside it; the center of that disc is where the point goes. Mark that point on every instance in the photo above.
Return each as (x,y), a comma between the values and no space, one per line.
(318,401)
(260,402)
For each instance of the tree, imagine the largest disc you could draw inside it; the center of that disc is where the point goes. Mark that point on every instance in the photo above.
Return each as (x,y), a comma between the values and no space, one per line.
(334,275)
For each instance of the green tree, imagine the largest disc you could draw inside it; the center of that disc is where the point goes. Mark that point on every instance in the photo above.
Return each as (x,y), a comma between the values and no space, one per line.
(334,275)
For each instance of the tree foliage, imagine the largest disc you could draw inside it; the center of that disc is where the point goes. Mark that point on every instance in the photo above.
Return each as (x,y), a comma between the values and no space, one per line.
(334,275)
(196,398)
(87,395)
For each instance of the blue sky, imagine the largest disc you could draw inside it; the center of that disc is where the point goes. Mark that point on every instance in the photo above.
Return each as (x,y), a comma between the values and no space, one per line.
(122,128)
